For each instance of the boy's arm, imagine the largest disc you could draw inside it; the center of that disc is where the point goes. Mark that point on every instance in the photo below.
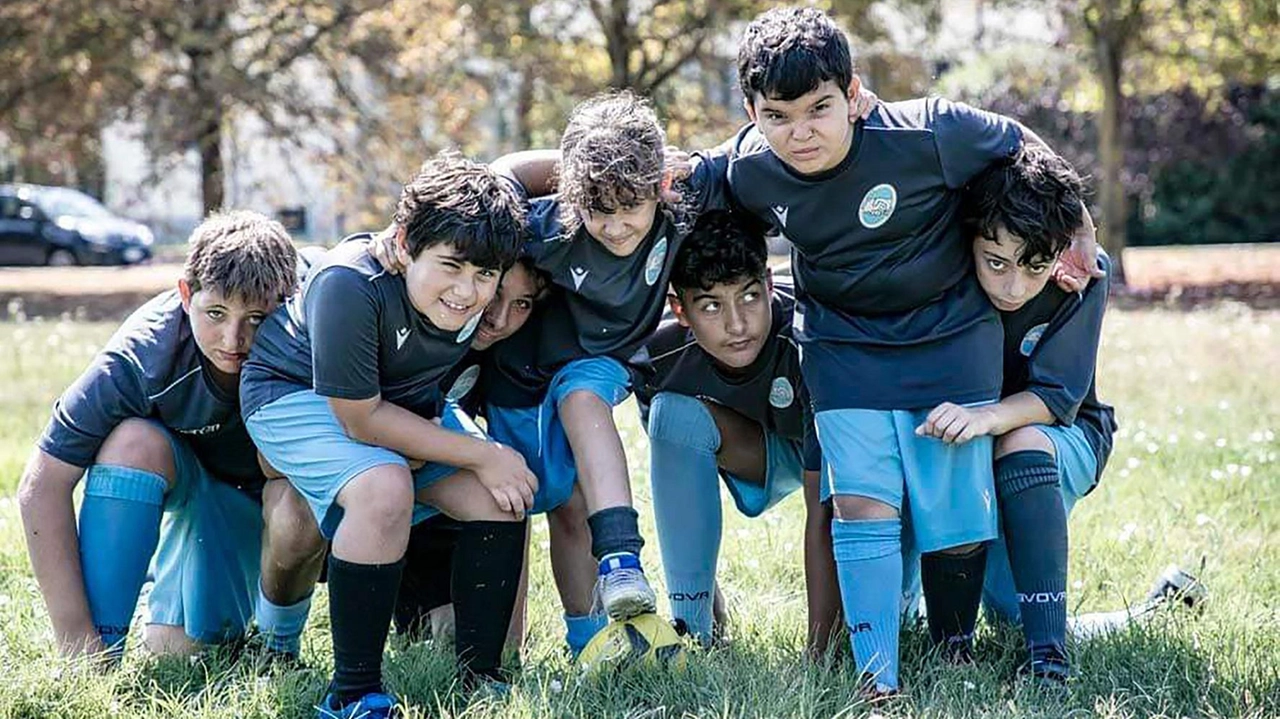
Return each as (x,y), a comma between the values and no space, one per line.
(955,424)
(49,524)
(501,469)
(533,170)
(1062,365)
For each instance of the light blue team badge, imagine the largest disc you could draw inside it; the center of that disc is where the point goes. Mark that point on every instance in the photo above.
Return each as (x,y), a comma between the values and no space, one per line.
(464,384)
(653,267)
(1031,339)
(469,328)
(781,394)
(877,206)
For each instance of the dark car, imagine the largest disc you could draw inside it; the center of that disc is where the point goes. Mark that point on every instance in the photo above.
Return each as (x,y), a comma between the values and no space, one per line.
(59,226)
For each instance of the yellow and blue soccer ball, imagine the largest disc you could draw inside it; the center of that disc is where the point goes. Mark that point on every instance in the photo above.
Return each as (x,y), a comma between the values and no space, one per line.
(645,640)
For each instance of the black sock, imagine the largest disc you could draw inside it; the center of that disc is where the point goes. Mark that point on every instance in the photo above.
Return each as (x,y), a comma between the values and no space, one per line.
(616,529)
(362,598)
(952,585)
(428,566)
(1035,533)
(486,577)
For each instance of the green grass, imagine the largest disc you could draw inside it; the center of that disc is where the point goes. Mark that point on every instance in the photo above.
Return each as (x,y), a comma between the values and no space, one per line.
(1196,474)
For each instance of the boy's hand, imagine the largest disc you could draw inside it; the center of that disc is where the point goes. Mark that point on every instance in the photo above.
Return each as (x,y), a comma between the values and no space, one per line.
(388,248)
(678,166)
(862,105)
(1079,263)
(506,476)
(954,424)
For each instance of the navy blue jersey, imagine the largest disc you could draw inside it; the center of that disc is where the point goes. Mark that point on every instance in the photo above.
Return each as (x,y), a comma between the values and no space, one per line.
(352,333)
(605,306)
(883,271)
(1051,350)
(151,368)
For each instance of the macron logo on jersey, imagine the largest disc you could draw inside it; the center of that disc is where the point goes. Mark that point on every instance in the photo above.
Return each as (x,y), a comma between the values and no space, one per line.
(402,336)
(579,274)
(780,212)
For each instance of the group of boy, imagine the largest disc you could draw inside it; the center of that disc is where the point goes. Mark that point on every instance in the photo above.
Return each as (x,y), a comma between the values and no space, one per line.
(923,380)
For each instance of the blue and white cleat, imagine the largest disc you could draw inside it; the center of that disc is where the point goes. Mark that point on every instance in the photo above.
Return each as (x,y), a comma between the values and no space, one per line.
(369,706)
(622,591)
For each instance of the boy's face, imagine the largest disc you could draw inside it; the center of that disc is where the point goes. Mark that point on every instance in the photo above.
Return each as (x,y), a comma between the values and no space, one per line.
(1008,284)
(446,288)
(811,133)
(510,307)
(622,230)
(223,326)
(731,320)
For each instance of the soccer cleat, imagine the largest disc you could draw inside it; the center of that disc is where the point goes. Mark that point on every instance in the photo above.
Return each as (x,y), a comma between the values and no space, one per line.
(1180,586)
(622,591)
(369,706)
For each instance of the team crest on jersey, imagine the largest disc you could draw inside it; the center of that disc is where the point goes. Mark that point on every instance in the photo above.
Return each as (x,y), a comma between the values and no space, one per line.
(469,328)
(877,206)
(653,266)
(464,384)
(781,393)
(1031,339)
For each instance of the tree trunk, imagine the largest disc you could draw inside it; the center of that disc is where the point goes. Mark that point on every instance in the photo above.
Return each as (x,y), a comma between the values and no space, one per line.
(528,72)
(617,36)
(1110,51)
(210,105)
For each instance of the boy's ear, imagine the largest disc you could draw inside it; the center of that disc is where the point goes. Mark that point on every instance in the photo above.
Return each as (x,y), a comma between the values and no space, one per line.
(184,291)
(677,308)
(750,108)
(855,85)
(768,280)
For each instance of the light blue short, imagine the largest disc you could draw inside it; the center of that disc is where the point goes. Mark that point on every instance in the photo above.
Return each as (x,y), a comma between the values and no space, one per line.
(300,436)
(784,474)
(948,490)
(538,435)
(206,565)
(1077,474)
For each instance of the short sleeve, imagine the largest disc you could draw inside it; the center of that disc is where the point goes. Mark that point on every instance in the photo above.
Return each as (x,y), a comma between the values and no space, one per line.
(342,316)
(968,140)
(707,187)
(110,391)
(545,230)
(1061,368)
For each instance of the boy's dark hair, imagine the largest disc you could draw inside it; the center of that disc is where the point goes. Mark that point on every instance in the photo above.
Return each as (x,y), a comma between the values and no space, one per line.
(541,280)
(1036,196)
(464,204)
(719,250)
(242,254)
(789,51)
(611,156)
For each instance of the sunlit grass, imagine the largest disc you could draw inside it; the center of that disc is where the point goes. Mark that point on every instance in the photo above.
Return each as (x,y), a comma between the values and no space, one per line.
(1195,475)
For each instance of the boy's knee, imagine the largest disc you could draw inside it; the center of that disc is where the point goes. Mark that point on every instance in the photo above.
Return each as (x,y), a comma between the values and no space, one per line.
(381,498)
(293,537)
(683,420)
(139,444)
(569,520)
(1023,439)
(852,506)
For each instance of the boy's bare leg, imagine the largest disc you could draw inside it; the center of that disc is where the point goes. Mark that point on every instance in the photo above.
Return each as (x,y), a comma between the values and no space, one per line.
(821,586)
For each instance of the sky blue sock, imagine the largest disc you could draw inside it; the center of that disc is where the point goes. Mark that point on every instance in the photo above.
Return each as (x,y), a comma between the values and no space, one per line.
(683,440)
(869,566)
(119,531)
(579,629)
(281,626)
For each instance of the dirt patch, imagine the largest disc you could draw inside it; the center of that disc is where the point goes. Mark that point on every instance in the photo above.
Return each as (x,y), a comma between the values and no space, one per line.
(1181,277)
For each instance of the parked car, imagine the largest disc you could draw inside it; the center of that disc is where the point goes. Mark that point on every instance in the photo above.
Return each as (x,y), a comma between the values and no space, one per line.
(42,225)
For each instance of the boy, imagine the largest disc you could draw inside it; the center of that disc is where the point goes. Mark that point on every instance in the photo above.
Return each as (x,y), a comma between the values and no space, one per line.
(607,241)
(1052,435)
(341,394)
(154,426)
(424,603)
(886,295)
(722,397)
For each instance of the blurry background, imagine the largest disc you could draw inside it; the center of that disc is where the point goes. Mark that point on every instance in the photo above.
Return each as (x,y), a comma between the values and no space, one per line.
(315,110)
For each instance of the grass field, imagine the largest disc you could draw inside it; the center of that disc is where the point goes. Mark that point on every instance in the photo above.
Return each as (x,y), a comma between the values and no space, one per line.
(1196,474)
